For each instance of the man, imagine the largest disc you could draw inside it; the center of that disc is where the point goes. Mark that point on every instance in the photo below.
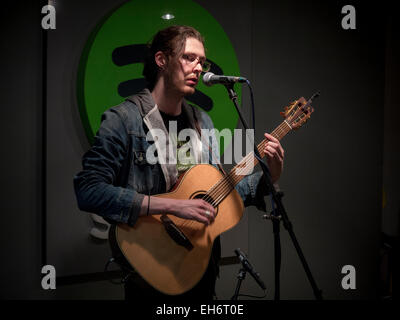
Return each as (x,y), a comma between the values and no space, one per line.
(117,181)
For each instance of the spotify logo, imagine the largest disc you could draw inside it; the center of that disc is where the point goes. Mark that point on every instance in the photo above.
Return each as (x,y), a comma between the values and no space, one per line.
(111,63)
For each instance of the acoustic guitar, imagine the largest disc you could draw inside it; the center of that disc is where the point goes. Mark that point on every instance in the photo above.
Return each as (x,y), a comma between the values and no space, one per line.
(172,253)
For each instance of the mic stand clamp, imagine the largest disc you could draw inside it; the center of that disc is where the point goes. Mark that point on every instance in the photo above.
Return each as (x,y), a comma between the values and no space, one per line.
(272,216)
(241,275)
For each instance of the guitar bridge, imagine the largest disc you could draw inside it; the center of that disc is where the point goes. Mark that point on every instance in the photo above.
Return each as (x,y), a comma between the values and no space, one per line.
(175,233)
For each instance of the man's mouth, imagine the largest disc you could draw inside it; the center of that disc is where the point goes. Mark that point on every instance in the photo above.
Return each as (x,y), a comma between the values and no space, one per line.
(192,81)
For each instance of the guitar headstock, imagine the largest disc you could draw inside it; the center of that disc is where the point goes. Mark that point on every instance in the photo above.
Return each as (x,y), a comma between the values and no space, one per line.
(297,113)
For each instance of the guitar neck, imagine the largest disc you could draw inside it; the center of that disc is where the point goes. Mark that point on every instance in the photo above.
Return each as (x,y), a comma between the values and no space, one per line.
(296,114)
(223,187)
(247,164)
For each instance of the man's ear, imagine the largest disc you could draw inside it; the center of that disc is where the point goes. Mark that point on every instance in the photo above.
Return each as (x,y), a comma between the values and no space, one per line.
(161,59)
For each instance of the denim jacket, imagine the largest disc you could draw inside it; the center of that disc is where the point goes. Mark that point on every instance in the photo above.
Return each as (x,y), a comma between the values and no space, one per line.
(115,175)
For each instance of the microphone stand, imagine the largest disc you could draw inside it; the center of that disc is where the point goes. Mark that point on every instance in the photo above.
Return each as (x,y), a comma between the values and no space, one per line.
(241,275)
(278,214)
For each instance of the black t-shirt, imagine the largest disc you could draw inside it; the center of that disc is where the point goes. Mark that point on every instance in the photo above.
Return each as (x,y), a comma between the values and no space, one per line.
(181,119)
(182,122)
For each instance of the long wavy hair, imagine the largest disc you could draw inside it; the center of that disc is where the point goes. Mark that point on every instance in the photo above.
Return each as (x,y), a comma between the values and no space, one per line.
(171,41)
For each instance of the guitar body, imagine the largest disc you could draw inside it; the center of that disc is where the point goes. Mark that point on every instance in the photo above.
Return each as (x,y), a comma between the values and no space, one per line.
(164,264)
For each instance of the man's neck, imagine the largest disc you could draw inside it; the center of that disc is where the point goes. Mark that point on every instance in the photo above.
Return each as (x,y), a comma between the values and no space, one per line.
(167,101)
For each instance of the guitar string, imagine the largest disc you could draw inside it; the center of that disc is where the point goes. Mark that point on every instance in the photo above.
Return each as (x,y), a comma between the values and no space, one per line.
(216,195)
(228,184)
(235,174)
(226,181)
(223,187)
(234,177)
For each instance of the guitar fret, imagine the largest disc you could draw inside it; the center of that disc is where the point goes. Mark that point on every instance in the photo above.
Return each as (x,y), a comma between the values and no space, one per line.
(288,124)
(223,187)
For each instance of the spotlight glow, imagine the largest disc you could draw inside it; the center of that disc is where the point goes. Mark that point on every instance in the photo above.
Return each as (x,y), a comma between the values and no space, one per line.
(168,16)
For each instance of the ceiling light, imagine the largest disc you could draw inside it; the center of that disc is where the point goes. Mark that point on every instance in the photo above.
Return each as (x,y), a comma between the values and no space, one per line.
(168,16)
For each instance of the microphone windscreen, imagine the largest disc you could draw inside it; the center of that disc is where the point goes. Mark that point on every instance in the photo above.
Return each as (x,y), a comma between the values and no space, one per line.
(207,78)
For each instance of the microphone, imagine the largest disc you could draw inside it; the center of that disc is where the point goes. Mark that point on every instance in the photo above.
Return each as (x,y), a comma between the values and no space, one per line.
(210,78)
(246,264)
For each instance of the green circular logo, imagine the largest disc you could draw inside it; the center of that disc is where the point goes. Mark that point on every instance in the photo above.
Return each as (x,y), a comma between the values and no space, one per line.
(111,65)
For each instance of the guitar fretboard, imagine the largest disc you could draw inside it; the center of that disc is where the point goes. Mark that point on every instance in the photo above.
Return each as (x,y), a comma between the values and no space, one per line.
(223,187)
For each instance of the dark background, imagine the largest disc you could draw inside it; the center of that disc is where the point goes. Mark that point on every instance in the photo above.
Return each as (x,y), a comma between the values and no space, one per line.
(335,168)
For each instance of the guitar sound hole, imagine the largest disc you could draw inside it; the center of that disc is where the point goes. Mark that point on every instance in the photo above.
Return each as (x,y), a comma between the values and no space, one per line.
(203,195)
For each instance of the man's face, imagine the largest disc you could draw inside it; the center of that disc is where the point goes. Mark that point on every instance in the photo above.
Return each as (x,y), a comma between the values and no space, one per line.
(183,71)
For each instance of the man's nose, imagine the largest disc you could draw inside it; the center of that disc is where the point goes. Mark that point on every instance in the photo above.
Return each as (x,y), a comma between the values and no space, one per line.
(198,68)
